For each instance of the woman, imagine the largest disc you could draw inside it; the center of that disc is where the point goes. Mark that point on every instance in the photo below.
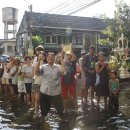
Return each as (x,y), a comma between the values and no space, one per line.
(37,82)
(6,78)
(102,89)
(14,75)
(68,80)
(27,71)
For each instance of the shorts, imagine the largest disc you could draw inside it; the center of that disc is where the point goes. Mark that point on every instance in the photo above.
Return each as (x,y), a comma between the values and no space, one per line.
(70,88)
(5,80)
(90,80)
(36,88)
(28,87)
(83,80)
(21,86)
(10,81)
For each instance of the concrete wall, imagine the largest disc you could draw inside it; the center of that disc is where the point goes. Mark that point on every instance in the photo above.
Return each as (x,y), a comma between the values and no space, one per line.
(8,47)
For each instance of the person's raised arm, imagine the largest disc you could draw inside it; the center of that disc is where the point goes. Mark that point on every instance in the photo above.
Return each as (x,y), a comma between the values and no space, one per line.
(73,55)
(62,63)
(37,67)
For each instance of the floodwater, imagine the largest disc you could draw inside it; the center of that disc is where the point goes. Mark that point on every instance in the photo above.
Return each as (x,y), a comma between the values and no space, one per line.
(14,115)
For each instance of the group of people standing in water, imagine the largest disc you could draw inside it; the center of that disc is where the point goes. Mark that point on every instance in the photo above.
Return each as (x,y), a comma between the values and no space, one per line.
(51,78)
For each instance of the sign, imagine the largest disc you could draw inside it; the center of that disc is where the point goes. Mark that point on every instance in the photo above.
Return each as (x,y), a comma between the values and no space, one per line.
(67,47)
(30,52)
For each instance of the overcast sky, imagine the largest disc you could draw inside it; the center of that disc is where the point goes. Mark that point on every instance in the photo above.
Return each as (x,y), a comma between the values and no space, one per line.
(104,6)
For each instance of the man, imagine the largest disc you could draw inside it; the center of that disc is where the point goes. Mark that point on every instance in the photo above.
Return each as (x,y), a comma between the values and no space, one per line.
(88,65)
(51,84)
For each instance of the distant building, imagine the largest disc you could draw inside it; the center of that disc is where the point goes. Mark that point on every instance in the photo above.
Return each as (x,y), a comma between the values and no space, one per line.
(10,20)
(7,47)
(56,29)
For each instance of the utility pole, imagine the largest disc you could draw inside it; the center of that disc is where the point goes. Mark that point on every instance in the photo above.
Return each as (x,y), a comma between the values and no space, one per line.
(30,49)
(30,24)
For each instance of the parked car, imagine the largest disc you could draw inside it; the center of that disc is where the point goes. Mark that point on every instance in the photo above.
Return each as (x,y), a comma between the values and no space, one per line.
(4,58)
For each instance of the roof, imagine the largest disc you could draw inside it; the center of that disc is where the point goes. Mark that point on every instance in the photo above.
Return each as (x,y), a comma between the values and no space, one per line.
(63,21)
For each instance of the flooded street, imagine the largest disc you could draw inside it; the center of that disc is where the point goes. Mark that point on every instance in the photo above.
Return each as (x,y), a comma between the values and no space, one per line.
(14,115)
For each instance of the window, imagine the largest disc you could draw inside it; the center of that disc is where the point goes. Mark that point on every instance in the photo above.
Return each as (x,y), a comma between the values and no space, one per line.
(9,48)
(63,40)
(79,40)
(73,39)
(54,39)
(48,39)
(51,39)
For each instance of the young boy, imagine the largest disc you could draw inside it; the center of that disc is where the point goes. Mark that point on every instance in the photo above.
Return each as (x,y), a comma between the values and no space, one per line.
(114,92)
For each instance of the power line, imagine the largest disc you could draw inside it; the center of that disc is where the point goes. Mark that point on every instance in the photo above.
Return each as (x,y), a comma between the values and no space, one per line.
(58,6)
(27,2)
(84,7)
(68,6)
(73,8)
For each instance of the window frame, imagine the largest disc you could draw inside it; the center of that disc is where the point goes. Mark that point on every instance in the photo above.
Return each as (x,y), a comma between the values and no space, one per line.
(10,50)
(51,36)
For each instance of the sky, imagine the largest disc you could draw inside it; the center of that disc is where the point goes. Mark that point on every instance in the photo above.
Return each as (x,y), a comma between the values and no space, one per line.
(103,7)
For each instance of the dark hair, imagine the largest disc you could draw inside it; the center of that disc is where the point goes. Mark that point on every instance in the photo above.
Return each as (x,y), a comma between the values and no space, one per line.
(50,53)
(101,53)
(16,59)
(114,72)
(93,47)
(28,57)
(42,52)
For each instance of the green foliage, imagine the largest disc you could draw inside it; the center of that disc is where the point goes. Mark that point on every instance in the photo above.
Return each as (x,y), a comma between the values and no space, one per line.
(37,40)
(120,24)
(103,41)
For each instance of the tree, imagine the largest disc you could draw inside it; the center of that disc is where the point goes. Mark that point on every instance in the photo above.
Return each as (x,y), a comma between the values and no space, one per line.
(119,24)
(37,40)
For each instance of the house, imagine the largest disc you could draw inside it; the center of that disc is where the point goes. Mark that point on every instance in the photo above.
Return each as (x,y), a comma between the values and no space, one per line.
(56,29)
(8,47)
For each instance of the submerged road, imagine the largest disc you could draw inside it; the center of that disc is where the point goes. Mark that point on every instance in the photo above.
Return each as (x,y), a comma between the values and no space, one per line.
(14,115)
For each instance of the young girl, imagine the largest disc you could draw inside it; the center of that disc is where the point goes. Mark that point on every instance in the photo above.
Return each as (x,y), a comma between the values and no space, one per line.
(21,85)
(102,69)
(37,82)
(14,75)
(114,92)
(27,72)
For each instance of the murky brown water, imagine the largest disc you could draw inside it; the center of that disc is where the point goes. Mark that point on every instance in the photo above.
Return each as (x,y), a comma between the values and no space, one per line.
(14,115)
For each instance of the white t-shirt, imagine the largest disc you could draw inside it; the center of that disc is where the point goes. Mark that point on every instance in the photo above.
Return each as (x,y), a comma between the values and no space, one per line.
(15,77)
(27,70)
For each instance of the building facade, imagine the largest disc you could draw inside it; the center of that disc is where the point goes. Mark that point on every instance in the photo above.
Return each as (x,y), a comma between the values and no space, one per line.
(7,47)
(56,29)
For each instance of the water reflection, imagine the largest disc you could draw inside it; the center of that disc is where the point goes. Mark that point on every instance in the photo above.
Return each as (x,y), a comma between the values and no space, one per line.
(14,115)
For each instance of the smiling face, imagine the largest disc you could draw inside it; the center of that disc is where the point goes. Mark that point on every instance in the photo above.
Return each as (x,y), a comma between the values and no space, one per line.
(51,58)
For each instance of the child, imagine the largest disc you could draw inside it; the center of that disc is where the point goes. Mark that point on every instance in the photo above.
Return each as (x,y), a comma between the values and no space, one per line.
(21,85)
(114,92)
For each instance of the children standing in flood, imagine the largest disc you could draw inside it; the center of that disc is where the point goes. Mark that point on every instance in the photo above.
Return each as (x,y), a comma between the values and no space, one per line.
(114,92)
